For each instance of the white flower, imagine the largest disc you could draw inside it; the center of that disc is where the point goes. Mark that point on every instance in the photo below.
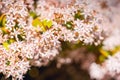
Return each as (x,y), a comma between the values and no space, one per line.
(96,71)
(112,41)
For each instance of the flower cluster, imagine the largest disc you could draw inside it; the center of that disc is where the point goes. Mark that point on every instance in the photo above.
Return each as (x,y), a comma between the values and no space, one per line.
(111,44)
(110,67)
(31,32)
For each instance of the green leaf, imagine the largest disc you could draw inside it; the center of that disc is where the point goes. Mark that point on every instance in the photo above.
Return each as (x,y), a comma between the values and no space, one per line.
(20,37)
(47,23)
(79,15)
(33,14)
(104,52)
(69,25)
(102,58)
(8,63)
(36,22)
(2,20)
(43,24)
(43,29)
(4,30)
(6,45)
